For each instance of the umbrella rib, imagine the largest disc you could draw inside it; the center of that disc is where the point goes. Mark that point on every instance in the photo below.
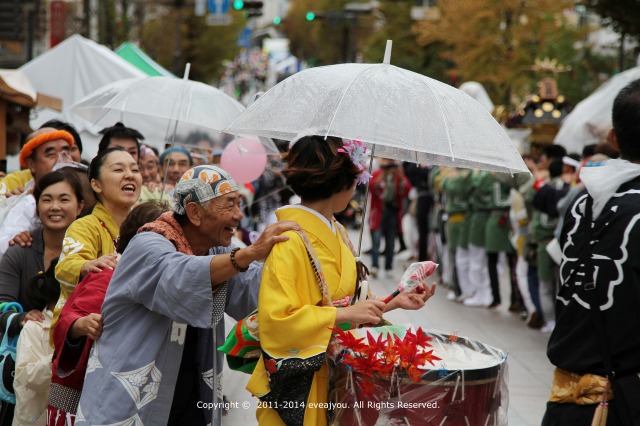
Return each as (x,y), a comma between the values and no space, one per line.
(342,98)
(446,128)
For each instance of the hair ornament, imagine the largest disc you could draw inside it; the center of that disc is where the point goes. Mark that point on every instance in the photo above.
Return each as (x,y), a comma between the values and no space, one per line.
(358,153)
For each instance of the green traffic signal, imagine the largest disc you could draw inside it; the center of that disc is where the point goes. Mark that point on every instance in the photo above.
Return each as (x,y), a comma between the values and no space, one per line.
(277,20)
(310,16)
(238,4)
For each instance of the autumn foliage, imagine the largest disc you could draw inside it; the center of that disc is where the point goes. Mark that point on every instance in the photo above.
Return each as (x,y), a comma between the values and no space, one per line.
(386,356)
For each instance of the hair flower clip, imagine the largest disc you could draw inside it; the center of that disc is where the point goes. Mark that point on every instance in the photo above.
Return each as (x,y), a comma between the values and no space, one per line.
(358,153)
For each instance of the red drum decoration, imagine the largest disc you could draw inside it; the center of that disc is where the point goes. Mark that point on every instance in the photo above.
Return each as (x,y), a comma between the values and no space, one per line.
(467,387)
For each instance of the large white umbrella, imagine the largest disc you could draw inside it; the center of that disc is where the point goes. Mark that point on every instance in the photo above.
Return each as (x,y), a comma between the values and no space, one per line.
(590,120)
(400,114)
(164,109)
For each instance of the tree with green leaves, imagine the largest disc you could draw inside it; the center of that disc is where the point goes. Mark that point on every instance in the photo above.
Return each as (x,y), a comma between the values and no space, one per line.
(624,15)
(494,42)
(394,22)
(176,37)
(331,37)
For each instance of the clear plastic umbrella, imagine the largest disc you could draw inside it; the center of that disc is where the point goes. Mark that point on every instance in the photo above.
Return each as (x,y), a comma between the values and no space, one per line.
(163,109)
(400,114)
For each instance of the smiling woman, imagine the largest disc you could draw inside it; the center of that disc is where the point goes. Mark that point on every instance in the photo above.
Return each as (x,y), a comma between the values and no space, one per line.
(89,244)
(58,197)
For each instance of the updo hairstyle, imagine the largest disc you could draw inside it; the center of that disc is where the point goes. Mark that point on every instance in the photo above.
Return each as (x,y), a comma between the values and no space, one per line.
(316,170)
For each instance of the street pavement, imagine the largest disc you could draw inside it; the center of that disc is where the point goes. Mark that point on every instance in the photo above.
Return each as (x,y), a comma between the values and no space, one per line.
(529,371)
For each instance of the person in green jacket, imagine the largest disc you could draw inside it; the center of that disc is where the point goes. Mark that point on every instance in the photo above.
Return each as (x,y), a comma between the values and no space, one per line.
(481,202)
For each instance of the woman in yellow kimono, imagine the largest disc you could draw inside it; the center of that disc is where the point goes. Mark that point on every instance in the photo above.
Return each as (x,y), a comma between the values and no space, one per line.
(291,378)
(89,244)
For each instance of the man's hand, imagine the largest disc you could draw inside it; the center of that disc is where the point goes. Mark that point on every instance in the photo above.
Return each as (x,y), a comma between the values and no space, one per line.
(23,239)
(107,261)
(90,326)
(263,245)
(222,268)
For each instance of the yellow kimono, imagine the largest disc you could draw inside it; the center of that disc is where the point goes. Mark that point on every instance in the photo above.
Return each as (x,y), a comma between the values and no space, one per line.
(86,239)
(13,181)
(294,326)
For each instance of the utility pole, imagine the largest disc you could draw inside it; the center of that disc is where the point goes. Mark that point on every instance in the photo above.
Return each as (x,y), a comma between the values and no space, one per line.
(86,18)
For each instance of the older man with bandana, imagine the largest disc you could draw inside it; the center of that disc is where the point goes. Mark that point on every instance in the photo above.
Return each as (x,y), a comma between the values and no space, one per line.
(154,363)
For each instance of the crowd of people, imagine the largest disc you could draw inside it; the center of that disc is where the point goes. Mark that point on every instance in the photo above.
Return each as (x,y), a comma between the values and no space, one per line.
(65,229)
(124,268)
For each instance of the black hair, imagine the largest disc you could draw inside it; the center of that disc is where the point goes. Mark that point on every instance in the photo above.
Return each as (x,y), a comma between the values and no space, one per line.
(52,178)
(139,216)
(119,131)
(589,150)
(316,170)
(554,151)
(555,167)
(626,121)
(43,289)
(68,127)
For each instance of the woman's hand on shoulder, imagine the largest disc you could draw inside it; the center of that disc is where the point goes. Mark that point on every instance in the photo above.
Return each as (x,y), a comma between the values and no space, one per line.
(363,312)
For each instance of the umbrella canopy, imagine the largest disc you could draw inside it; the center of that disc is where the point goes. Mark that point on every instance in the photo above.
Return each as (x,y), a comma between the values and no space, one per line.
(163,109)
(400,114)
(590,120)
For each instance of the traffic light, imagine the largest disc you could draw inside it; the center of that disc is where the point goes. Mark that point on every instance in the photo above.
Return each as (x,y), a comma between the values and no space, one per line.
(310,16)
(251,8)
(277,20)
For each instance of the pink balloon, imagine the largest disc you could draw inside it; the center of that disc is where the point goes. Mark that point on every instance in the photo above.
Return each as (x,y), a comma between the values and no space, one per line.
(245,159)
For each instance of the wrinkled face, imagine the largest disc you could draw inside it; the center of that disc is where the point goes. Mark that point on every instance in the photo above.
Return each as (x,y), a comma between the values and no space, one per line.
(178,166)
(149,169)
(45,157)
(58,206)
(119,180)
(129,145)
(221,217)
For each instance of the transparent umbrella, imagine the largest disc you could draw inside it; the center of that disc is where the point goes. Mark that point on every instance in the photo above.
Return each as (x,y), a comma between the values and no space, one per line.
(164,109)
(400,114)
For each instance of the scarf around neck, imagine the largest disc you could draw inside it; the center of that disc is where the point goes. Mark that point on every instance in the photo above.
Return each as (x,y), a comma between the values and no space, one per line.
(167,226)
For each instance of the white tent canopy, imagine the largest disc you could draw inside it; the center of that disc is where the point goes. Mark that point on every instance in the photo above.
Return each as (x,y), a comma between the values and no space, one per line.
(590,120)
(70,71)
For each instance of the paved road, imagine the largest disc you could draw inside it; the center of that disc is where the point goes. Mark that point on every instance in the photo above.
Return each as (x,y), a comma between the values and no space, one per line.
(529,370)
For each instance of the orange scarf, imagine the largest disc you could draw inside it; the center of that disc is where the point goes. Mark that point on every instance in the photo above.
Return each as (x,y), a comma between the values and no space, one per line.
(167,226)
